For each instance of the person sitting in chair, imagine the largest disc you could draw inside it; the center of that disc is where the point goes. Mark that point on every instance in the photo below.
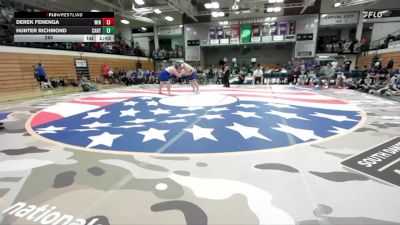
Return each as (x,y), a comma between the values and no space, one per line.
(258,75)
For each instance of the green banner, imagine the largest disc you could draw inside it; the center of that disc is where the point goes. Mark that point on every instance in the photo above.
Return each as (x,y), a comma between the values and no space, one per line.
(245,33)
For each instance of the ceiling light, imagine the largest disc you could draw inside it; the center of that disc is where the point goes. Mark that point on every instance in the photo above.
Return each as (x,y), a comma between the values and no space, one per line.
(157,11)
(237,12)
(143,19)
(271,1)
(337,4)
(181,25)
(323,15)
(208,5)
(125,21)
(235,6)
(277,9)
(268,19)
(273,18)
(139,2)
(94,10)
(215,5)
(270,9)
(214,14)
(169,18)
(143,28)
(221,14)
(279,1)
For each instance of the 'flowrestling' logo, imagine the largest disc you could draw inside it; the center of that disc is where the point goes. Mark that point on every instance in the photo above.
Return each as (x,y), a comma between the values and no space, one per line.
(45,215)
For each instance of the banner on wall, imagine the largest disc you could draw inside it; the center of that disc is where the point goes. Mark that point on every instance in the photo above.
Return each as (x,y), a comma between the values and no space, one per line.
(256,31)
(266,31)
(339,18)
(245,33)
(220,33)
(227,32)
(273,29)
(283,28)
(235,31)
(212,33)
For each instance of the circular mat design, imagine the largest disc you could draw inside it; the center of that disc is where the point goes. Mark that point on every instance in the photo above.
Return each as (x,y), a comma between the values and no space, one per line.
(217,120)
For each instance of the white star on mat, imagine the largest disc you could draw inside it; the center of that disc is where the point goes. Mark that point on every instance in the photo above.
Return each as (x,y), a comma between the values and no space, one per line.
(246,114)
(174,121)
(281,106)
(153,103)
(83,130)
(105,139)
(200,132)
(211,117)
(193,108)
(130,126)
(183,115)
(247,132)
(49,130)
(218,109)
(130,103)
(96,125)
(286,115)
(160,111)
(337,130)
(332,117)
(96,115)
(129,112)
(247,106)
(140,121)
(303,134)
(153,133)
(146,98)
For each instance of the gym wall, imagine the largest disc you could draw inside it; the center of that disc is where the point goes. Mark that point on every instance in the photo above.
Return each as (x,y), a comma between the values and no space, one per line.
(16,65)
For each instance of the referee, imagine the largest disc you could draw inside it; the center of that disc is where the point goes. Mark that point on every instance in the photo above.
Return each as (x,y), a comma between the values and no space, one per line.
(225,71)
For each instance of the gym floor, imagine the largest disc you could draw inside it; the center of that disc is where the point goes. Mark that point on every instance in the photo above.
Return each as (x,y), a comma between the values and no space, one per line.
(244,155)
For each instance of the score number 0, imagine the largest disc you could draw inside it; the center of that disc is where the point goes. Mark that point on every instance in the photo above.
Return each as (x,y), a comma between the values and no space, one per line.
(108,21)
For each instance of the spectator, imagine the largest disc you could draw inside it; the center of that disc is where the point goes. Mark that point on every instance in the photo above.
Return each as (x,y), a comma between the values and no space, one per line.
(258,75)
(42,76)
(341,78)
(328,73)
(87,85)
(294,76)
(390,65)
(312,76)
(347,65)
(36,74)
(211,74)
(152,77)
(303,76)
(106,73)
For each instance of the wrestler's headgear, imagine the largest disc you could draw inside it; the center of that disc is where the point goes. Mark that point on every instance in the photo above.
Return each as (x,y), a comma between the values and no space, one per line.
(178,64)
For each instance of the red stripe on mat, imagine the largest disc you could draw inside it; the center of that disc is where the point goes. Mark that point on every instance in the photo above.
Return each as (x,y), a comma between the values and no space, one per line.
(101,104)
(44,117)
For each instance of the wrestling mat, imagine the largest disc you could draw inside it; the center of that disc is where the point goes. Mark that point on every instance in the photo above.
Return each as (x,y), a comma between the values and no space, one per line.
(243,155)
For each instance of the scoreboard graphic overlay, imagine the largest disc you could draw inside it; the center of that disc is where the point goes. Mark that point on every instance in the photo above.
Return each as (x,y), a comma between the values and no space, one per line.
(64,27)
(215,121)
